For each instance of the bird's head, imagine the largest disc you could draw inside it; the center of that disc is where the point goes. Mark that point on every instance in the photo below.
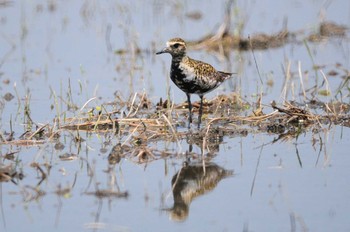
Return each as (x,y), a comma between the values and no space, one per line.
(175,47)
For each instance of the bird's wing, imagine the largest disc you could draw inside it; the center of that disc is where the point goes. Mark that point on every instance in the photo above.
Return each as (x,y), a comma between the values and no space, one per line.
(206,70)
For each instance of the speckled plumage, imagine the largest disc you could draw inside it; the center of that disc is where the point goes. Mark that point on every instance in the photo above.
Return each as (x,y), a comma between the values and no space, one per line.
(196,77)
(192,76)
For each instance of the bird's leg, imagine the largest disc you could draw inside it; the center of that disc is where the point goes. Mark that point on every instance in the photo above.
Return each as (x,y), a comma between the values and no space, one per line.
(190,110)
(200,112)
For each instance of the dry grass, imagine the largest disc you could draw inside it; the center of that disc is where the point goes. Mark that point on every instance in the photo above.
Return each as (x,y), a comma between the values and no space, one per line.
(224,115)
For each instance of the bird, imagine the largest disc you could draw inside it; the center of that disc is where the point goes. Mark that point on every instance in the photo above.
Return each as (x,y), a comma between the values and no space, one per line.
(192,76)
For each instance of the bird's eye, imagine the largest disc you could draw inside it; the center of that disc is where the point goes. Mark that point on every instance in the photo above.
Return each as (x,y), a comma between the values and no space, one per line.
(176,45)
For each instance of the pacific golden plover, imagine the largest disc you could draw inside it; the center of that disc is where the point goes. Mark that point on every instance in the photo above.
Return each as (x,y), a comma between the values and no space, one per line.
(192,76)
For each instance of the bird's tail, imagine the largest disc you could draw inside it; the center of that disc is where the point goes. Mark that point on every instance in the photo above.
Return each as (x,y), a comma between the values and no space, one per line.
(226,75)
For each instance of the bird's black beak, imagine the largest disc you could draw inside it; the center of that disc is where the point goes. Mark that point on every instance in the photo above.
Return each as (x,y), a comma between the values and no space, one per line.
(164,50)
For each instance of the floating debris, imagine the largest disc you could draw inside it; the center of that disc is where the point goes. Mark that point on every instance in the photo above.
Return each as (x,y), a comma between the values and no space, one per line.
(68,157)
(108,194)
(8,97)
(330,29)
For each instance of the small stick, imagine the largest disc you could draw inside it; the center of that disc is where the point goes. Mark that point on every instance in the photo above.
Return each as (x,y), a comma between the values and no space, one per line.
(301,79)
(256,64)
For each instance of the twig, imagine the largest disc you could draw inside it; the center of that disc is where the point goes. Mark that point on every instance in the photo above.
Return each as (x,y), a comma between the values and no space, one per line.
(256,63)
(131,134)
(327,83)
(284,91)
(301,79)
(173,131)
(87,102)
(131,105)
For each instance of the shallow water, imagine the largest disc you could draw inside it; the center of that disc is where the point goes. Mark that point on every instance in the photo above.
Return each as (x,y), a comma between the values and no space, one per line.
(59,52)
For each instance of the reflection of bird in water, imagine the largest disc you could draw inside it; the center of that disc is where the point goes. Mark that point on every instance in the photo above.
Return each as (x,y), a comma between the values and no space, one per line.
(192,181)
(213,139)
